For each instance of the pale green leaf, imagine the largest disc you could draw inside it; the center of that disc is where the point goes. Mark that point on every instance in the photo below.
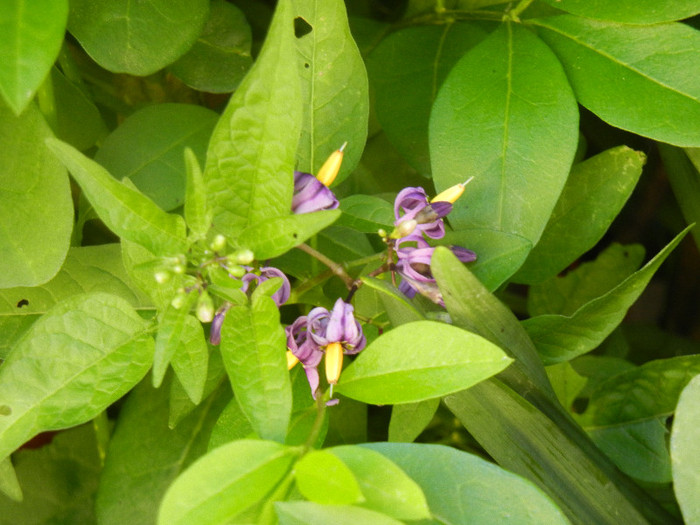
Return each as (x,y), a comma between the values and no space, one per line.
(191,359)
(684,176)
(366,213)
(308,513)
(685,452)
(629,11)
(170,328)
(324,478)
(409,420)
(198,215)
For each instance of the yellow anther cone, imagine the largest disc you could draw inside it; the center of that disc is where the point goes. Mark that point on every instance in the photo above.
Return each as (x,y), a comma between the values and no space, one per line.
(334,362)
(328,172)
(291,360)
(452,193)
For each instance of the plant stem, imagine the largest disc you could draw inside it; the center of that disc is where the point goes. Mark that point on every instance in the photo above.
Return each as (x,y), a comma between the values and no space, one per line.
(336,268)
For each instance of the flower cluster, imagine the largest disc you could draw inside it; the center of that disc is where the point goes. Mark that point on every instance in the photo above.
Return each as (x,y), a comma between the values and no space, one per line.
(313,193)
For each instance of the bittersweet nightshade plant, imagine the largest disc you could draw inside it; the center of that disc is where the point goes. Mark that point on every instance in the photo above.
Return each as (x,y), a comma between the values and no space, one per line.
(202,202)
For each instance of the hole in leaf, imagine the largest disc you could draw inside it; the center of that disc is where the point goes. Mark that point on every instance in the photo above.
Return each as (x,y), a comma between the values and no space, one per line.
(5,410)
(295,235)
(307,65)
(301,27)
(22,302)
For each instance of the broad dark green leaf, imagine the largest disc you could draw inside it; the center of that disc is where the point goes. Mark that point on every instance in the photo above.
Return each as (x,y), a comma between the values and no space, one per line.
(366,213)
(198,215)
(231,426)
(80,357)
(36,209)
(124,210)
(333,87)
(347,423)
(594,194)
(225,482)
(137,37)
(59,481)
(409,420)
(561,338)
(629,11)
(252,152)
(273,237)
(406,70)
(170,328)
(463,488)
(253,346)
(324,478)
(145,456)
(191,359)
(220,58)
(506,116)
(148,149)
(385,487)
(31,33)
(619,76)
(78,120)
(418,361)
(308,513)
(685,452)
(566,382)
(564,295)
(684,176)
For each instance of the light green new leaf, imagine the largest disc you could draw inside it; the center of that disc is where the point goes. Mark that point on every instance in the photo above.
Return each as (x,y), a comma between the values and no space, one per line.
(191,359)
(198,215)
(685,452)
(124,210)
(170,327)
(684,175)
(385,487)
(561,338)
(366,213)
(31,33)
(252,152)
(630,11)
(220,57)
(409,420)
(145,455)
(253,346)
(639,78)
(450,477)
(308,513)
(139,38)
(324,478)
(36,209)
(506,116)
(141,265)
(594,194)
(225,482)
(273,237)
(9,485)
(333,87)
(75,361)
(148,149)
(406,70)
(418,361)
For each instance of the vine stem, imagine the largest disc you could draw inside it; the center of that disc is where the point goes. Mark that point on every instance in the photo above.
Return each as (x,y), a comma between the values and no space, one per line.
(336,268)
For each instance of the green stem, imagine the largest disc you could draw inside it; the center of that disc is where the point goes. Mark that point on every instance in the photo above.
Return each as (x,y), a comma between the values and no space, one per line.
(336,268)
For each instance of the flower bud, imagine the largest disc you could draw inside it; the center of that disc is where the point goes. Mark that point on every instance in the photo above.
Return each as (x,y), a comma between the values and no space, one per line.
(179,300)
(404,229)
(218,243)
(328,172)
(235,270)
(243,256)
(162,276)
(178,268)
(205,308)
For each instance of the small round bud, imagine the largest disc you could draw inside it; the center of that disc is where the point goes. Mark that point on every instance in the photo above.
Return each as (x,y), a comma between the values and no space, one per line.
(235,270)
(205,308)
(162,276)
(242,256)
(179,300)
(382,233)
(218,243)
(404,229)
(178,269)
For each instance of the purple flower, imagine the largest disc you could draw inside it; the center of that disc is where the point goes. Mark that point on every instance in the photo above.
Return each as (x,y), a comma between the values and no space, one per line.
(310,194)
(413,202)
(305,350)
(268,272)
(337,326)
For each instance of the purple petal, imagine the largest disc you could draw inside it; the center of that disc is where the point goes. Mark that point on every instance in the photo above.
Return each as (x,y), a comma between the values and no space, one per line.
(410,199)
(217,322)
(282,295)
(311,195)
(463,254)
(313,378)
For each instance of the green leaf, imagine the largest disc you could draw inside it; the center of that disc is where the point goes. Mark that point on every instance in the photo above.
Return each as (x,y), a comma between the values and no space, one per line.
(137,37)
(31,34)
(506,116)
(685,452)
(145,456)
(231,426)
(333,87)
(198,215)
(191,359)
(308,513)
(566,382)
(9,485)
(220,58)
(385,487)
(629,11)
(684,177)
(273,237)
(418,361)
(253,346)
(609,65)
(398,307)
(561,338)
(36,209)
(347,423)
(59,480)
(450,477)
(564,295)
(225,482)
(324,478)
(595,192)
(98,351)
(406,70)
(252,152)
(170,328)
(141,265)
(409,420)
(366,213)
(124,210)
(148,149)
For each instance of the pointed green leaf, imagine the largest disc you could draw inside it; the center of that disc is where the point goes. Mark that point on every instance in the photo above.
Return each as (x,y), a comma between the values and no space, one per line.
(595,192)
(225,482)
(610,64)
(170,328)
(308,513)
(253,346)
(198,215)
(685,452)
(324,478)
(75,361)
(191,359)
(252,152)
(506,116)
(273,237)
(36,209)
(136,37)
(124,210)
(366,213)
(9,485)
(398,307)
(409,420)
(629,11)
(420,360)
(561,338)
(231,426)
(31,34)
(684,176)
